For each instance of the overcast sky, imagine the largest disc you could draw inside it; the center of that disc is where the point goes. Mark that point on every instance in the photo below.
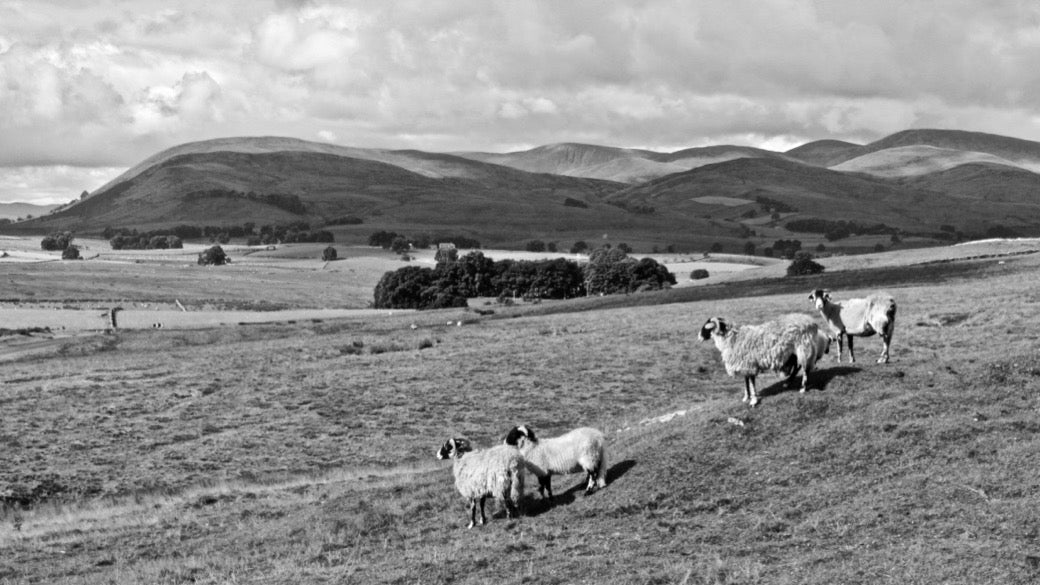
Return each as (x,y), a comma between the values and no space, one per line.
(89,88)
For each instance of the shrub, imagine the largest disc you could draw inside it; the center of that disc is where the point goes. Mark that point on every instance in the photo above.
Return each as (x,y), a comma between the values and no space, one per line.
(328,254)
(804,265)
(698,274)
(213,256)
(572,202)
(70,253)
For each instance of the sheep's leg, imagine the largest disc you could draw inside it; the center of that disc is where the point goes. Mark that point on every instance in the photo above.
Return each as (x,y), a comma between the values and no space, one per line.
(590,484)
(747,389)
(886,339)
(852,356)
(805,380)
(546,483)
(752,391)
(483,518)
(472,512)
(841,346)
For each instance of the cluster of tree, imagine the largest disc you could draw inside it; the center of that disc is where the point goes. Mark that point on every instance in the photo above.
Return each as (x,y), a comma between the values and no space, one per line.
(804,265)
(58,241)
(146,242)
(400,243)
(774,205)
(837,230)
(213,256)
(173,237)
(288,202)
(608,271)
(345,220)
(61,241)
(634,207)
(783,248)
(540,246)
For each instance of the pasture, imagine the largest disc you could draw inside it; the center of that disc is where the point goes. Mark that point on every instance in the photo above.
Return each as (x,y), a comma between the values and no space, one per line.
(303,452)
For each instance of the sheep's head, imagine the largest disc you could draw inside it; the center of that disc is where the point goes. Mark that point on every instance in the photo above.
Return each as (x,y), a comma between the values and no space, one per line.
(518,435)
(819,298)
(454,447)
(714,326)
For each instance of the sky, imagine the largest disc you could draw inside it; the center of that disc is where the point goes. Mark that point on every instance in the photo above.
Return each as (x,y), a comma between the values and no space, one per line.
(90,88)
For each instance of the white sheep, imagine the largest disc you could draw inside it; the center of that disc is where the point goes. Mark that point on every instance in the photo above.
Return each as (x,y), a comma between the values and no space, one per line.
(782,345)
(582,449)
(858,317)
(496,472)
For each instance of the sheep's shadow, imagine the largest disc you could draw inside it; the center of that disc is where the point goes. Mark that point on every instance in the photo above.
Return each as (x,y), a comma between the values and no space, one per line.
(535,505)
(818,380)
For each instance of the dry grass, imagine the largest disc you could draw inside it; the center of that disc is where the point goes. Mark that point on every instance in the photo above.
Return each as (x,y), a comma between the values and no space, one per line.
(279,454)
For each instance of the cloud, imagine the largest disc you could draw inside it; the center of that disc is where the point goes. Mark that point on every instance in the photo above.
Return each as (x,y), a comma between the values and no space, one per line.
(472,74)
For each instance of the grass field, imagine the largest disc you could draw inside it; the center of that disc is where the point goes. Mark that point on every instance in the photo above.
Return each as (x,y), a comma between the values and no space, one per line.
(303,453)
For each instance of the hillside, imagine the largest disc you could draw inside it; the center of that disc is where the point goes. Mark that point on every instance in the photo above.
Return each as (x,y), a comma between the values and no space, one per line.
(811,190)
(305,452)
(905,161)
(1024,153)
(199,188)
(824,153)
(625,165)
(689,199)
(16,210)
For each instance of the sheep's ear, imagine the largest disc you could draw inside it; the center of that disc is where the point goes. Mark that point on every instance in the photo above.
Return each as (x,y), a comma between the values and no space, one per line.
(513,436)
(709,326)
(527,433)
(462,445)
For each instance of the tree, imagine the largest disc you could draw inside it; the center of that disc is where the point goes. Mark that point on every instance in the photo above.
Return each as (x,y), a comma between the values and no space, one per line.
(579,247)
(535,246)
(446,255)
(698,273)
(213,256)
(328,254)
(399,245)
(716,247)
(749,248)
(71,253)
(803,265)
(625,248)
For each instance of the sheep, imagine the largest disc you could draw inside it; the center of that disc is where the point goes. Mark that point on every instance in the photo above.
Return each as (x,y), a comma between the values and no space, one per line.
(496,471)
(582,449)
(861,317)
(781,345)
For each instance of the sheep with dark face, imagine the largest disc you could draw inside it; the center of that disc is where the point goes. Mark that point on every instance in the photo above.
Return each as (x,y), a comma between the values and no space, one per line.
(860,317)
(582,449)
(496,472)
(783,345)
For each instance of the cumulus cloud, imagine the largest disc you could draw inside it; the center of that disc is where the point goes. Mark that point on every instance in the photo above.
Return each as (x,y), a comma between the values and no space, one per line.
(472,74)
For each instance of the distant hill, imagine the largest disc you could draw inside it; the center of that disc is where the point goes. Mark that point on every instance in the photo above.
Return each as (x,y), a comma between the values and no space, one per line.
(810,190)
(905,161)
(16,210)
(916,181)
(625,165)
(824,153)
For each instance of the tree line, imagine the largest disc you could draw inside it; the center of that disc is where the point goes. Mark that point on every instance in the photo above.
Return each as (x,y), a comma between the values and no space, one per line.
(453,280)
(173,237)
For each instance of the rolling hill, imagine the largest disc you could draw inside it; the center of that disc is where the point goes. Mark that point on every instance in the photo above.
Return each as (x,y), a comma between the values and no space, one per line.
(625,165)
(16,210)
(811,190)
(916,181)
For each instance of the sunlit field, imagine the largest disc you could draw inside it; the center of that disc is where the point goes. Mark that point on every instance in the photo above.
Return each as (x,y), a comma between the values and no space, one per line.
(303,452)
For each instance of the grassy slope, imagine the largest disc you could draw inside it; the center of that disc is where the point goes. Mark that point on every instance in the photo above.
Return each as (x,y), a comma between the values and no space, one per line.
(814,191)
(314,451)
